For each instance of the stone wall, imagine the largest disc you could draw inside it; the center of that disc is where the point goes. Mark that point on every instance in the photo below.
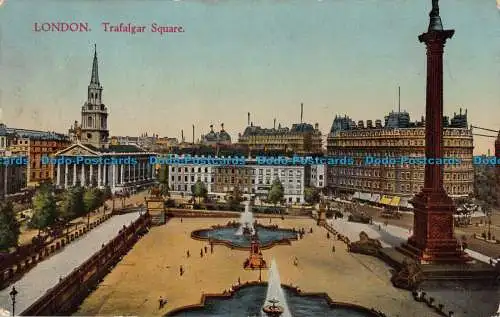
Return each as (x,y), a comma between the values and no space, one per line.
(65,297)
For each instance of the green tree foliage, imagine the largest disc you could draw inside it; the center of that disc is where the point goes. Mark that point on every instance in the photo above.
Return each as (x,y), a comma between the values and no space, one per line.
(276,192)
(163,180)
(486,188)
(199,189)
(107,194)
(311,195)
(235,198)
(92,199)
(45,212)
(9,227)
(72,205)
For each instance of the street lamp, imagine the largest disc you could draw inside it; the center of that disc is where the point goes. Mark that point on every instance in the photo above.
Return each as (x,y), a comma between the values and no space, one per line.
(260,273)
(13,294)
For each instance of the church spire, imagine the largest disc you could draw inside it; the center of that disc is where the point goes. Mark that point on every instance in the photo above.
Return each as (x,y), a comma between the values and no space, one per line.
(95,70)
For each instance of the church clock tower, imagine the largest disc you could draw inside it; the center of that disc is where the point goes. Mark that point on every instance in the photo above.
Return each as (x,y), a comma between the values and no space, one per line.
(94,124)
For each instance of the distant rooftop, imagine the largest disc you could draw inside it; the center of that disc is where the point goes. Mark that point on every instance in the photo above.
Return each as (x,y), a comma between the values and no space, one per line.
(36,134)
(396,120)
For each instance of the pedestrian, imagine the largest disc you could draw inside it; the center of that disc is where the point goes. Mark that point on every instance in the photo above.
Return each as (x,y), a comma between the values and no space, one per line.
(160,303)
(333,248)
(295,261)
(201,253)
(211,247)
(311,230)
(181,270)
(269,220)
(206,249)
(188,254)
(239,281)
(328,235)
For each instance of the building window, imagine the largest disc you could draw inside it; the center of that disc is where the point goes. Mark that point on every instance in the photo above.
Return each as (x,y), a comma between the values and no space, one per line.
(89,121)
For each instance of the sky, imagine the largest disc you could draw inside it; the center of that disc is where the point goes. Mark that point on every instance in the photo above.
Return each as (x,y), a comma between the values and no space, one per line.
(239,56)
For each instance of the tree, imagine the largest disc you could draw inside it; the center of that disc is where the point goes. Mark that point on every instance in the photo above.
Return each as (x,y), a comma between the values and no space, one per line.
(45,212)
(199,189)
(107,192)
(311,195)
(9,227)
(276,192)
(163,179)
(486,187)
(91,200)
(72,205)
(235,198)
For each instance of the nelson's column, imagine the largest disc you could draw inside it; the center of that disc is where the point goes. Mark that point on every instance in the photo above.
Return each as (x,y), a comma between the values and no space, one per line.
(433,238)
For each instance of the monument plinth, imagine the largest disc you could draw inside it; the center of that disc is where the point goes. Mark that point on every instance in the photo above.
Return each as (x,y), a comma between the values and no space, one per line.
(155,205)
(256,260)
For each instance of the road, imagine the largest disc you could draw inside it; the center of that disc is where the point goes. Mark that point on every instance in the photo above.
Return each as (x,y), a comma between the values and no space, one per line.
(47,273)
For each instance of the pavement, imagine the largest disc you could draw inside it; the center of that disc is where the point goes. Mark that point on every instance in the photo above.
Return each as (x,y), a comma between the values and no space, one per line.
(151,270)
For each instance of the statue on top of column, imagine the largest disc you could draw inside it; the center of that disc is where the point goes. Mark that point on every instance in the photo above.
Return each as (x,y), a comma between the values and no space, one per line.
(435,8)
(435,23)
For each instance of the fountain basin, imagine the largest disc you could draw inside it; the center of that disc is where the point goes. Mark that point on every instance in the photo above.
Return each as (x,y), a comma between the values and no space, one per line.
(268,236)
(247,299)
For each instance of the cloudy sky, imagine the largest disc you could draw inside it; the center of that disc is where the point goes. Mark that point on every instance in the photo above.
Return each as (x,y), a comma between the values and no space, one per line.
(239,56)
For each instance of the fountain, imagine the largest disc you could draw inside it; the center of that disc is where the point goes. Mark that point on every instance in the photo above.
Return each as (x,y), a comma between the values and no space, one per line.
(246,222)
(275,295)
(240,234)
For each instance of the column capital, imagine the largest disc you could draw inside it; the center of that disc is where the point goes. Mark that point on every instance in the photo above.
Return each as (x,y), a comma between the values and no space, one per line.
(436,37)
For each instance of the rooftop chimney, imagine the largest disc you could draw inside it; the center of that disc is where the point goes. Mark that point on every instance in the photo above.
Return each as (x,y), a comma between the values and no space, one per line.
(378,124)
(274,124)
(361,124)
(369,124)
(182,135)
(193,133)
(248,119)
(222,127)
(301,111)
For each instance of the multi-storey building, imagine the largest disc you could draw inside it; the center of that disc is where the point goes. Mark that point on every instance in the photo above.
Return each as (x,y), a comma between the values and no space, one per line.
(497,154)
(318,176)
(228,177)
(183,176)
(121,167)
(251,178)
(12,179)
(300,139)
(34,145)
(398,138)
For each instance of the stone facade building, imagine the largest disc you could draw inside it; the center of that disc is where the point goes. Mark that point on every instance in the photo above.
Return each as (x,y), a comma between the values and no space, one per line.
(300,139)
(92,160)
(398,138)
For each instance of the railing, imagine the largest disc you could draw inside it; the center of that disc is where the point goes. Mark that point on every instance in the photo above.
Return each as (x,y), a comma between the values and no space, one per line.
(72,290)
(15,264)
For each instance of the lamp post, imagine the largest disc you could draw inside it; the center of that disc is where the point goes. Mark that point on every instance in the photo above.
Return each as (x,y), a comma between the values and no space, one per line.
(13,294)
(260,273)
(488,215)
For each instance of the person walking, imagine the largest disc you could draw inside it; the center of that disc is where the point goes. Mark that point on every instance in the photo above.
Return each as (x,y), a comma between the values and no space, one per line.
(206,249)
(201,253)
(181,270)
(160,303)
(333,248)
(188,254)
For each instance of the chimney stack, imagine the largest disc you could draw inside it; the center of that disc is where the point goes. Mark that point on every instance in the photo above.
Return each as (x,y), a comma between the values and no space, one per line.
(182,135)
(301,111)
(275,123)
(193,133)
(248,119)
(222,127)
